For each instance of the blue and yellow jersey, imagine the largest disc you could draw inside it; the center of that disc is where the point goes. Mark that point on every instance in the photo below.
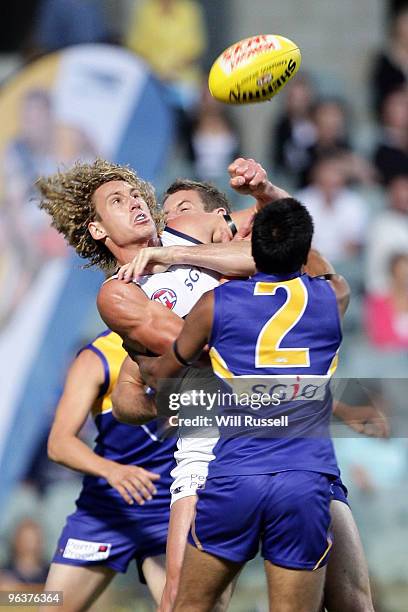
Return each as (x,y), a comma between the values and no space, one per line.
(275,335)
(143,446)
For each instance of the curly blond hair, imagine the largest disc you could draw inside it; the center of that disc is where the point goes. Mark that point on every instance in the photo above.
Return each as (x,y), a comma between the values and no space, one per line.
(67,197)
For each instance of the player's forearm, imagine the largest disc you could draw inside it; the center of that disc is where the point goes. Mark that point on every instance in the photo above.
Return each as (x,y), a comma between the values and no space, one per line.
(227,258)
(131,405)
(76,455)
(317,264)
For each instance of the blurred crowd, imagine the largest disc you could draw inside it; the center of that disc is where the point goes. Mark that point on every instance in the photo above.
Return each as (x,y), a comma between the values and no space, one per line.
(356,187)
(357,192)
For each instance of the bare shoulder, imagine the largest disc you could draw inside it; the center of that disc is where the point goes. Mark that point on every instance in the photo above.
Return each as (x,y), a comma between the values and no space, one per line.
(118,301)
(86,368)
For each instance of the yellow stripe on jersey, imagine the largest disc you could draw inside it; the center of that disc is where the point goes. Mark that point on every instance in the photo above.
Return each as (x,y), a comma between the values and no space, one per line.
(112,354)
(334,364)
(218,364)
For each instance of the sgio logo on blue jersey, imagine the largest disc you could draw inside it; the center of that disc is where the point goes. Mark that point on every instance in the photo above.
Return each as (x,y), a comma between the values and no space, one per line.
(293,388)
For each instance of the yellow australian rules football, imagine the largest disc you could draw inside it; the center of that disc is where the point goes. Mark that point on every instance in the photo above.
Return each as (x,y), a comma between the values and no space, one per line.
(254,69)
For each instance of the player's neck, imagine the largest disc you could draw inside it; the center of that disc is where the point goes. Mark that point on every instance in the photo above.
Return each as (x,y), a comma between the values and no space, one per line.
(125,254)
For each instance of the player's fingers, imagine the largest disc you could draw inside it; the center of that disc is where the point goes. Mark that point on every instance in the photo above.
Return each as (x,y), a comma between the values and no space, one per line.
(124,494)
(237,181)
(371,430)
(122,271)
(141,266)
(258,179)
(141,489)
(128,274)
(378,429)
(134,490)
(383,425)
(147,481)
(357,426)
(250,174)
(235,164)
(151,475)
(137,264)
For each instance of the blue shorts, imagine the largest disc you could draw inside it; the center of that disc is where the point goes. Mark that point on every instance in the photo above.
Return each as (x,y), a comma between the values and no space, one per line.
(288,512)
(339,491)
(111,538)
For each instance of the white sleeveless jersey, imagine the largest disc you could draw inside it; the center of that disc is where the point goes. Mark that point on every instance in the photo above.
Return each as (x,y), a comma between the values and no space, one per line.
(181,287)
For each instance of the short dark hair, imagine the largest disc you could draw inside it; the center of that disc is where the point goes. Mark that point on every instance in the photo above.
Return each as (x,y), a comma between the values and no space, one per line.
(211,196)
(281,237)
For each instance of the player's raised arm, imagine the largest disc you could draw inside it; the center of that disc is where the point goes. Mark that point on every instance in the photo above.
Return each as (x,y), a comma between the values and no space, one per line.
(230,259)
(248,177)
(142,323)
(186,348)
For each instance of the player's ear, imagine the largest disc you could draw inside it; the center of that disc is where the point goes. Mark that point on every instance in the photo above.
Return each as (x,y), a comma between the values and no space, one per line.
(97,231)
(220,211)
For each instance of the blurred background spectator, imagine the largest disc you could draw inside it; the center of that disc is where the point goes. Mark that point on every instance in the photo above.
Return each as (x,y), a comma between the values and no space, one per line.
(214,140)
(320,136)
(171,36)
(339,213)
(294,132)
(386,314)
(61,23)
(391,153)
(390,66)
(387,235)
(330,133)
(26,561)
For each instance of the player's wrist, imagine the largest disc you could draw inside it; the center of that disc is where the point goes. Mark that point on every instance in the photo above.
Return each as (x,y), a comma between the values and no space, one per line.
(106,468)
(175,255)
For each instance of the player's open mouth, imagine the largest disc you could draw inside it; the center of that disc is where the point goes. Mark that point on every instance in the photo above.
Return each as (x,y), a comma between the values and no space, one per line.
(140,218)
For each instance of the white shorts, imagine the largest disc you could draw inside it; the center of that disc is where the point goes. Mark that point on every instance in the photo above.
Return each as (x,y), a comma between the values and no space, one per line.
(193,456)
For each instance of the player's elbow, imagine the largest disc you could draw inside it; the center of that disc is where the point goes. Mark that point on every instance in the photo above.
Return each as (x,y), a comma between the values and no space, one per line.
(54,449)
(134,411)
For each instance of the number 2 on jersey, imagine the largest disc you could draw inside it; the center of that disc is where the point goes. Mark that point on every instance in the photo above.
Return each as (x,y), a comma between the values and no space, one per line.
(268,352)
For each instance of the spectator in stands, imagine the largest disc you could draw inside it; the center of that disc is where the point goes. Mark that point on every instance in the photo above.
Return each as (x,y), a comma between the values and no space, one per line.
(339,214)
(26,564)
(390,67)
(294,132)
(171,36)
(386,314)
(331,138)
(214,141)
(391,154)
(61,23)
(387,236)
